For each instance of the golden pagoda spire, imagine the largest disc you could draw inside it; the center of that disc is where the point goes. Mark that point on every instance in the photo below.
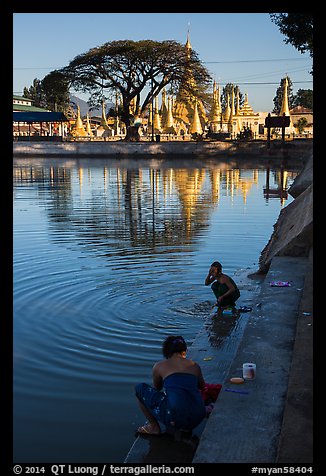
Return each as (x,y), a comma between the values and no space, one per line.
(150,115)
(169,119)
(188,44)
(88,126)
(104,123)
(79,122)
(216,109)
(157,119)
(285,102)
(237,107)
(116,119)
(214,90)
(227,111)
(195,126)
(185,102)
(79,129)
(169,125)
(164,109)
(232,113)
(218,97)
(215,115)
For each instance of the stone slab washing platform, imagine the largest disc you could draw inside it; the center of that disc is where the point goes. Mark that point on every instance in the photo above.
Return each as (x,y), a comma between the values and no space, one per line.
(243,427)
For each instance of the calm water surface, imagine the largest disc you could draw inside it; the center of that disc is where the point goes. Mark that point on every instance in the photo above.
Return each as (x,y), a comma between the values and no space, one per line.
(110,257)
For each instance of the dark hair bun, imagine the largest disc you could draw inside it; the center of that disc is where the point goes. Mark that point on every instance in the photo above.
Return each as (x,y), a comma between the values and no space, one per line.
(172,345)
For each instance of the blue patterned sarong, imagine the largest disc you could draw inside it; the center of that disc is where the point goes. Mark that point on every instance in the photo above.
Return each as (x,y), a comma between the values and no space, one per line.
(180,405)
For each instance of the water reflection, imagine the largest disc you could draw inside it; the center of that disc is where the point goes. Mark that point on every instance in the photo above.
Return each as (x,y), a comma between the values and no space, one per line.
(220,328)
(110,256)
(280,189)
(148,207)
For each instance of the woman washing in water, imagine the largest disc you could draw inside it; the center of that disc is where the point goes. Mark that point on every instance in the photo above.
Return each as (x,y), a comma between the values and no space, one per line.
(174,399)
(224,288)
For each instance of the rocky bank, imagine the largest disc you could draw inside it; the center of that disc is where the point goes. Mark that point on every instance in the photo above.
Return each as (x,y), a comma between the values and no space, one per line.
(293,231)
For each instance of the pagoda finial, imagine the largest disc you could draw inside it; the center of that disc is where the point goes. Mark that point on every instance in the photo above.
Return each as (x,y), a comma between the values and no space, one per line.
(188,44)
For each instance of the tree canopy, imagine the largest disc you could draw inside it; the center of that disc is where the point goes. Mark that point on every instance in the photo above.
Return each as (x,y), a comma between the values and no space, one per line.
(298,28)
(51,92)
(35,93)
(132,68)
(56,91)
(227,90)
(304,97)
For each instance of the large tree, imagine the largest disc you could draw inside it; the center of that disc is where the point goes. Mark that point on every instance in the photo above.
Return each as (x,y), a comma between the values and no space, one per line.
(304,97)
(138,71)
(52,93)
(56,91)
(227,90)
(35,93)
(298,29)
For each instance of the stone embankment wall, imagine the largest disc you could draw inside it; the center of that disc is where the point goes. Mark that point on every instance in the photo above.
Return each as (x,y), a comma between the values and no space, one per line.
(296,149)
(293,231)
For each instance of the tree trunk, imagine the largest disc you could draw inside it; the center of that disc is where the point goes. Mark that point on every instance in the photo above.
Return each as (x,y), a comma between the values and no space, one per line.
(132,134)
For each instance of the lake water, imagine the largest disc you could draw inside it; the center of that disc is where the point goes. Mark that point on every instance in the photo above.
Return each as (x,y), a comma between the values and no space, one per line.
(110,257)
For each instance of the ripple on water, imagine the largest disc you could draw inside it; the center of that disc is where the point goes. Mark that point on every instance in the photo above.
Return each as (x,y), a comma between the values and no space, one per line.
(91,330)
(102,273)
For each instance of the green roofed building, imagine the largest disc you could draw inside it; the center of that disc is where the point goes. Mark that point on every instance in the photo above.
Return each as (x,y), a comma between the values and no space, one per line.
(36,123)
(21,104)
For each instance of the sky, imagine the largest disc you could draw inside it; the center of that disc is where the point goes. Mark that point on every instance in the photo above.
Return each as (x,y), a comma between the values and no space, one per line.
(246,49)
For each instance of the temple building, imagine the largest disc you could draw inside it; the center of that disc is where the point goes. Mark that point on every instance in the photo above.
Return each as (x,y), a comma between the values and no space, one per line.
(243,118)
